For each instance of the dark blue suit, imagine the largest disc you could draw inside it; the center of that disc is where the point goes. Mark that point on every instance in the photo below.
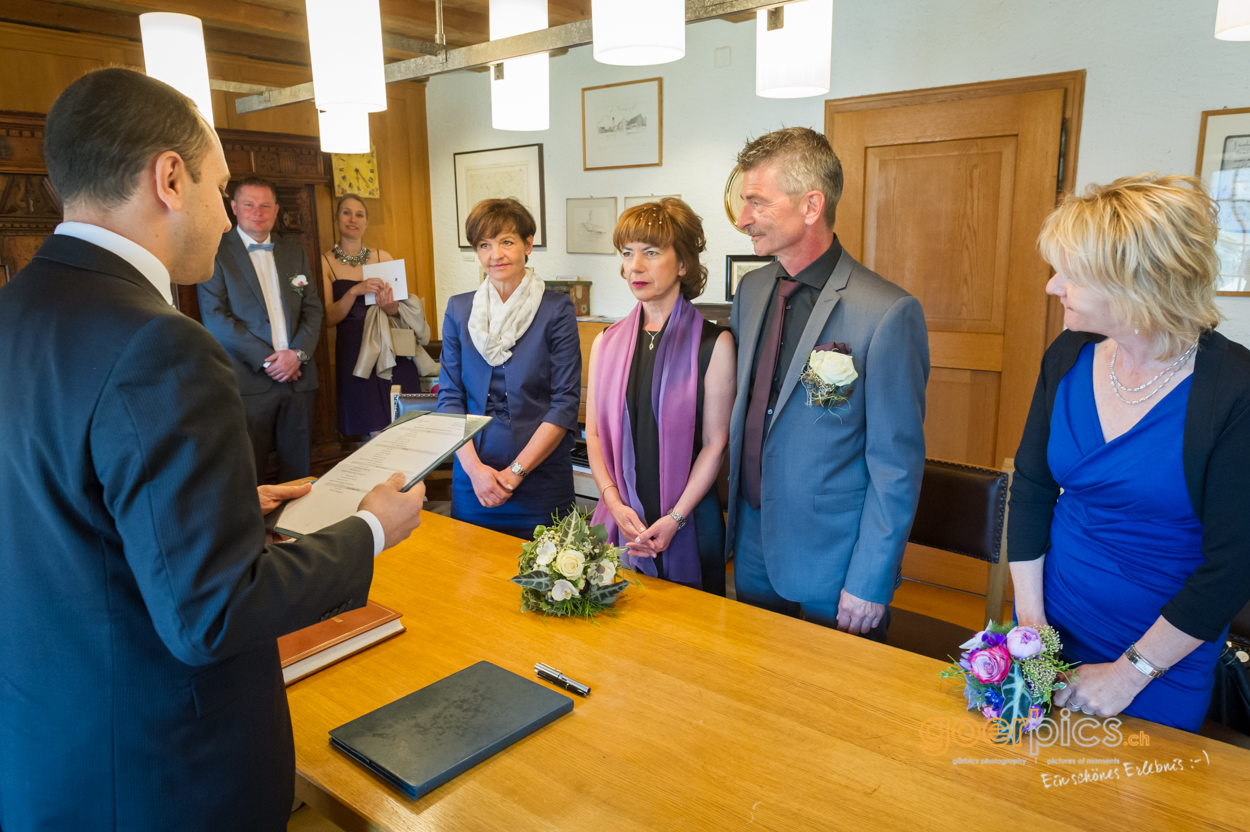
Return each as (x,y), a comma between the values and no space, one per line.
(541,382)
(140,686)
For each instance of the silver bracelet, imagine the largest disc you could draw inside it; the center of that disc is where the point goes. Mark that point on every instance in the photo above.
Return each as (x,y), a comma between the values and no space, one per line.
(1143,664)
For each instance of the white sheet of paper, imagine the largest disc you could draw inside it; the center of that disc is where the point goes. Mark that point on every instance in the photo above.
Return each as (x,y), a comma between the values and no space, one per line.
(393,272)
(410,448)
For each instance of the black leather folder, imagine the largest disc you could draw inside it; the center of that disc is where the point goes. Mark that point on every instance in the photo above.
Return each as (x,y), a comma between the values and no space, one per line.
(421,741)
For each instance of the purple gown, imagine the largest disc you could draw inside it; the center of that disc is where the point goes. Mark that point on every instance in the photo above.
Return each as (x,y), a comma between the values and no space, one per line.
(364,403)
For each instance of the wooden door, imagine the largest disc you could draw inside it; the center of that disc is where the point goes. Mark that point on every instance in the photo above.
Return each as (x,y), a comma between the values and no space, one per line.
(946,198)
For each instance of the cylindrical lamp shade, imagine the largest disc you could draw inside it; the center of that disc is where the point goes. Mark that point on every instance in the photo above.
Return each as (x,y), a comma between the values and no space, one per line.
(344,130)
(638,32)
(345,41)
(521,100)
(794,61)
(173,52)
(1232,20)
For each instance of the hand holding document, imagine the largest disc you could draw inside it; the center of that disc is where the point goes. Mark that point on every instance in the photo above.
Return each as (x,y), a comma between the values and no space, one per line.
(412,446)
(393,272)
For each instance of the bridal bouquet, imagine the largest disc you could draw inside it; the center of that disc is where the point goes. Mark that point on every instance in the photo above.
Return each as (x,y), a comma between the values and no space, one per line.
(1009,674)
(569,569)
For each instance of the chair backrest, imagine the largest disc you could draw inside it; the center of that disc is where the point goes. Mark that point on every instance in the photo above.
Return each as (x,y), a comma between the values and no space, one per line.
(962,509)
(401,403)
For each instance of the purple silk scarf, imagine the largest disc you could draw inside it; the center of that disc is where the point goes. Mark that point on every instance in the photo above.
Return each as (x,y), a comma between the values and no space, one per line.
(674,392)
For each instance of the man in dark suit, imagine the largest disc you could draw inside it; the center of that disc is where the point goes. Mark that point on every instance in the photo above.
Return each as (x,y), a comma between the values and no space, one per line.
(262,305)
(822,490)
(140,685)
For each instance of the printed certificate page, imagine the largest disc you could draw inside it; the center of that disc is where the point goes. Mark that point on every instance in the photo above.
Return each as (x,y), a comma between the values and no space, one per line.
(414,448)
(393,272)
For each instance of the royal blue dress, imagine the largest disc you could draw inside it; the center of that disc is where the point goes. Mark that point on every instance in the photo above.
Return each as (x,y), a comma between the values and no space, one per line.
(1123,540)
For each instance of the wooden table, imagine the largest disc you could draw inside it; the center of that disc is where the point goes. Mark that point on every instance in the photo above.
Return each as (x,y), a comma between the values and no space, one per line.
(709,714)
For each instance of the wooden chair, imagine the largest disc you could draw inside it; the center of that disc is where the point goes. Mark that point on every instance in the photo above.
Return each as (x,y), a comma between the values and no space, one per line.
(962,509)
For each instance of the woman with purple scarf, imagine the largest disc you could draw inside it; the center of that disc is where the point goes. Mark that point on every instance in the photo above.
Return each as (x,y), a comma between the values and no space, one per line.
(662,365)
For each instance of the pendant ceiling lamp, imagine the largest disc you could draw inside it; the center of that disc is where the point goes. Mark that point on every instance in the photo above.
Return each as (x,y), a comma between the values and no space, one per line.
(345,41)
(1232,20)
(343,130)
(173,52)
(794,49)
(520,88)
(638,32)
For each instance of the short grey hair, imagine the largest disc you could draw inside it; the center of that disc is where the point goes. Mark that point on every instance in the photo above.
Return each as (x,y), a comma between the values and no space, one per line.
(805,162)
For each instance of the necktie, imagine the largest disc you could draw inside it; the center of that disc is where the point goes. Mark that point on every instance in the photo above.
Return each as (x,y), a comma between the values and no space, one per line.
(259,247)
(757,410)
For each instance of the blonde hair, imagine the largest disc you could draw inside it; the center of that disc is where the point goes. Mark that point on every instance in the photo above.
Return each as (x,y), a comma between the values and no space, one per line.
(805,162)
(1148,243)
(669,222)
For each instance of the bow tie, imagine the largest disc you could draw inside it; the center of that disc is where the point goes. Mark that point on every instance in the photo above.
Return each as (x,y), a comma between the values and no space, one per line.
(259,247)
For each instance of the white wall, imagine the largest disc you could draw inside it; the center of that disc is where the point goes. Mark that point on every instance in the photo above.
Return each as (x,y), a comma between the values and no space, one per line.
(1152,67)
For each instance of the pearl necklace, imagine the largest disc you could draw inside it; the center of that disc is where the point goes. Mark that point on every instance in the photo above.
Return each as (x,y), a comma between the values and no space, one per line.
(352,260)
(1117,386)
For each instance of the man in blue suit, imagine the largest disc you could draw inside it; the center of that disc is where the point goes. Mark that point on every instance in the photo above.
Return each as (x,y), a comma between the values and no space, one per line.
(822,493)
(140,685)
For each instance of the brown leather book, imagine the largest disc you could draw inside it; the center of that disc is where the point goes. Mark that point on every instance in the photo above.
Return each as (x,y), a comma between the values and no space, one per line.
(306,651)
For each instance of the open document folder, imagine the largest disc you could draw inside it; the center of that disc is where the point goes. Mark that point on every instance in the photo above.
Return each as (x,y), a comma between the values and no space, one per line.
(414,444)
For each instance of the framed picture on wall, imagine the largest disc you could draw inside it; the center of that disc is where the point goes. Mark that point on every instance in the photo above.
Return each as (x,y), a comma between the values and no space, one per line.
(631,201)
(500,173)
(590,225)
(623,125)
(1224,165)
(737,266)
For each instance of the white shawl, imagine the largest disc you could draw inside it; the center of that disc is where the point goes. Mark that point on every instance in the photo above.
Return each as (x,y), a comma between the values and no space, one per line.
(496,325)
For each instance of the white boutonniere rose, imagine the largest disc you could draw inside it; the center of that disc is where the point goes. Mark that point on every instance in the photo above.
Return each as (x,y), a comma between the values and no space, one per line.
(834,368)
(570,563)
(829,376)
(298,283)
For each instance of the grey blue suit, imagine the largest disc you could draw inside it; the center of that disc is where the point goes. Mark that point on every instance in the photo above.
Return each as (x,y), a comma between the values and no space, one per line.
(232,306)
(838,487)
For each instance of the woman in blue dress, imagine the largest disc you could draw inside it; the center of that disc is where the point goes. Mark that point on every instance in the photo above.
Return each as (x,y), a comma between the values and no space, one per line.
(1129,530)
(511,351)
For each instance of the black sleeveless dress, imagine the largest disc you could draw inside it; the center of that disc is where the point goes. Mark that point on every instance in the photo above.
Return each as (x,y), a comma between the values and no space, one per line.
(707,516)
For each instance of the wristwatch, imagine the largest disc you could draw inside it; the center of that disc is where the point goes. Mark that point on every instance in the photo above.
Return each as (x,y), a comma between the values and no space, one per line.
(1142,663)
(518,470)
(302,356)
(677,518)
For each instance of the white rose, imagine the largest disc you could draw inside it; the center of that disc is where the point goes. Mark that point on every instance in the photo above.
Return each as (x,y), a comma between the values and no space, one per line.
(833,368)
(562,590)
(603,573)
(546,552)
(570,563)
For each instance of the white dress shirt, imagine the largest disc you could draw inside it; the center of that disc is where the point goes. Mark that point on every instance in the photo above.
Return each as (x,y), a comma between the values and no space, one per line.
(154,270)
(267,271)
(130,251)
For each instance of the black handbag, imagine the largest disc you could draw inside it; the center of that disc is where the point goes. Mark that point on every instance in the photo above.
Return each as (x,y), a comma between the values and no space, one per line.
(1230,698)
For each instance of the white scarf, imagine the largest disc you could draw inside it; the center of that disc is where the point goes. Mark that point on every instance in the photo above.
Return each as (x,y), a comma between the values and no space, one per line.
(495,325)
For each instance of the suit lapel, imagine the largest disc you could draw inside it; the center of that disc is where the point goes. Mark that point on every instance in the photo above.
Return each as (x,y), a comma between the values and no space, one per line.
(752,319)
(828,299)
(283,263)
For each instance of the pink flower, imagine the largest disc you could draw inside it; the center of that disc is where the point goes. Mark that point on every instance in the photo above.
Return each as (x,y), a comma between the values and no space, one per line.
(990,665)
(990,712)
(1024,643)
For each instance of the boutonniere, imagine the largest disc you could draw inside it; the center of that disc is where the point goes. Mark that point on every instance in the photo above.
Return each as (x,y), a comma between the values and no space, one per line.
(829,376)
(298,283)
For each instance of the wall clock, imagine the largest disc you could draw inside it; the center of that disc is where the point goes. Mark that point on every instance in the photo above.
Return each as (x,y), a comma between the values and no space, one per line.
(357,173)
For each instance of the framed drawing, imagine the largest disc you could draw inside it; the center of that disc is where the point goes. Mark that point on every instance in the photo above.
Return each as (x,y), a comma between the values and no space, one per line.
(623,125)
(1224,165)
(631,201)
(737,266)
(502,172)
(590,225)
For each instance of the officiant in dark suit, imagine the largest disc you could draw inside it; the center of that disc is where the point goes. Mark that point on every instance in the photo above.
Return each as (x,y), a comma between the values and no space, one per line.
(262,305)
(140,684)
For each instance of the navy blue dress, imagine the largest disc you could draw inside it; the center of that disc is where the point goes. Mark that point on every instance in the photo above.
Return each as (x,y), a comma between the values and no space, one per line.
(541,382)
(1123,540)
(364,403)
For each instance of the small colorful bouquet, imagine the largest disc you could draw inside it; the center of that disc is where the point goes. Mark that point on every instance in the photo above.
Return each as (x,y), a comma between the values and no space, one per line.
(829,376)
(569,569)
(1009,675)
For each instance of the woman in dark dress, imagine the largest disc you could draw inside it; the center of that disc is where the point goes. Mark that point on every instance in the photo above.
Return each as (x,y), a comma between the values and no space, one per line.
(1129,527)
(511,351)
(660,392)
(364,403)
